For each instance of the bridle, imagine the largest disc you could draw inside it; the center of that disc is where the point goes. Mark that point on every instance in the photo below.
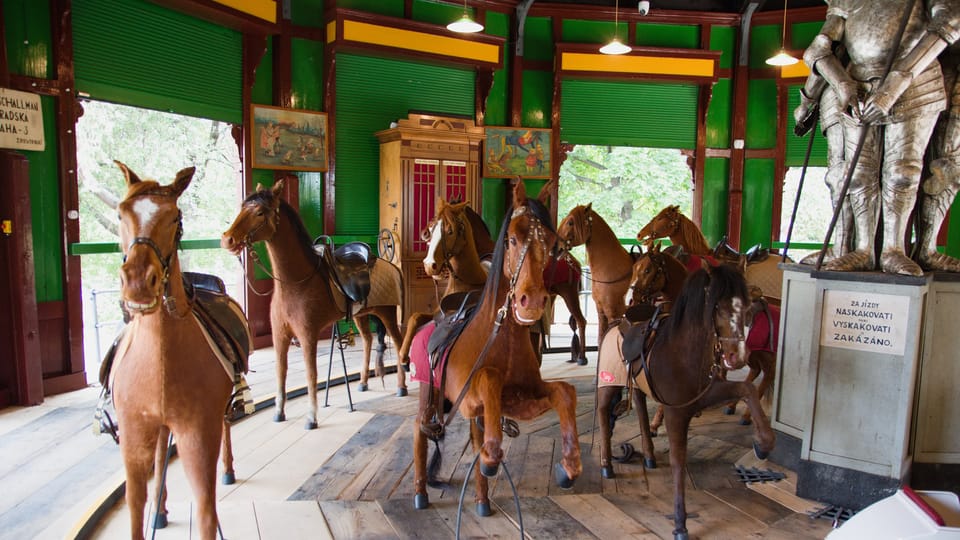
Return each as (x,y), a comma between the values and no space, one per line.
(657,282)
(584,228)
(673,219)
(247,244)
(169,302)
(449,252)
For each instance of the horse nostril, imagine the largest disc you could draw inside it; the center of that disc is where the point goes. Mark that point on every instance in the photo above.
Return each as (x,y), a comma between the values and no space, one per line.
(523,300)
(226,242)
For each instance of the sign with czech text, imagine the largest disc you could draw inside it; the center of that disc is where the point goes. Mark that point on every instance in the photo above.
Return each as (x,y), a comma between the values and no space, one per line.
(21,120)
(865,321)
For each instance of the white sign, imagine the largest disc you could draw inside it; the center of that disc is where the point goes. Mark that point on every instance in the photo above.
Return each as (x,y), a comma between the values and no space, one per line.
(21,120)
(865,321)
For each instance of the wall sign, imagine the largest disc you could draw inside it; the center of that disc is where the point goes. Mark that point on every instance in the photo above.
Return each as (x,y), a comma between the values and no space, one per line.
(21,120)
(865,321)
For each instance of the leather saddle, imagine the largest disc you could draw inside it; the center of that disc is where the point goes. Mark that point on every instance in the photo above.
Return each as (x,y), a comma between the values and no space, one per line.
(639,327)
(725,251)
(455,311)
(351,264)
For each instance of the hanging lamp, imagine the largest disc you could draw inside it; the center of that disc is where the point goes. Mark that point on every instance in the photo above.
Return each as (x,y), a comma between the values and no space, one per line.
(616,46)
(465,24)
(783,58)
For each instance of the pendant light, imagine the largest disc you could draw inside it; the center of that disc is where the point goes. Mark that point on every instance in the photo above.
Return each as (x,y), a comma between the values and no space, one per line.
(615,46)
(783,58)
(465,25)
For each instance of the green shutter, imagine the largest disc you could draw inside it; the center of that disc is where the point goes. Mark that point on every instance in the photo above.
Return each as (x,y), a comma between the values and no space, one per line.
(137,53)
(364,109)
(797,146)
(617,113)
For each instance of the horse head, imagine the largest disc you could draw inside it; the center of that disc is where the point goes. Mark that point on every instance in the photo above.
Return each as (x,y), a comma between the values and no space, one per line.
(258,219)
(447,235)
(151,226)
(648,276)
(529,241)
(662,225)
(575,229)
(731,301)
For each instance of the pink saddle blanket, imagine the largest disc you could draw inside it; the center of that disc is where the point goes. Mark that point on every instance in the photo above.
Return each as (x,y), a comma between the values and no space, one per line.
(759,337)
(420,357)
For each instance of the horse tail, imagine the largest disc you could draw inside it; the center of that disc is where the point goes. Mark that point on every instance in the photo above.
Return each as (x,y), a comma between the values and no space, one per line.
(433,467)
(379,370)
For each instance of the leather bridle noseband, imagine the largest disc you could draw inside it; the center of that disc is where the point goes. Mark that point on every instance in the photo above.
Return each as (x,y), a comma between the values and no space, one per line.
(168,301)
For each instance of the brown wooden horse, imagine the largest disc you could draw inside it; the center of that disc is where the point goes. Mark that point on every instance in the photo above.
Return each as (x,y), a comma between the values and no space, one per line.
(491,370)
(671,223)
(304,300)
(681,363)
(165,377)
(610,264)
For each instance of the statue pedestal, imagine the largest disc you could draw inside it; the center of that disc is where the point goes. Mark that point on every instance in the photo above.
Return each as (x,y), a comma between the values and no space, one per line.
(851,347)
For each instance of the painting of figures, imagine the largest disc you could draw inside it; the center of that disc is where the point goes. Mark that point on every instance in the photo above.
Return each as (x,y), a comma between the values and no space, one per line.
(289,139)
(516,151)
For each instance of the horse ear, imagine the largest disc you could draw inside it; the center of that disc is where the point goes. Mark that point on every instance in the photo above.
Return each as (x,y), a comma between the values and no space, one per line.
(705,264)
(277,188)
(183,179)
(656,247)
(546,192)
(130,176)
(519,193)
(259,187)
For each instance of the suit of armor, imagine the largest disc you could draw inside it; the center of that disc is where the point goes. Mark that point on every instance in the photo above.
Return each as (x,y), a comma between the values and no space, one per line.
(893,111)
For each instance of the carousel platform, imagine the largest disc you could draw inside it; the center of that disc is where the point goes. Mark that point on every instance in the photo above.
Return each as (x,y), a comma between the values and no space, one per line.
(353,476)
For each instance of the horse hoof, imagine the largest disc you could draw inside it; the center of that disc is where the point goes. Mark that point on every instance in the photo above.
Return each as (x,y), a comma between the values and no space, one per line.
(406,367)
(279,417)
(420,501)
(228,479)
(362,387)
(560,475)
(681,535)
(160,521)
(571,360)
(758,452)
(607,472)
(729,410)
(745,421)
(581,361)
(489,470)
(401,392)
(483,509)
(650,463)
(310,424)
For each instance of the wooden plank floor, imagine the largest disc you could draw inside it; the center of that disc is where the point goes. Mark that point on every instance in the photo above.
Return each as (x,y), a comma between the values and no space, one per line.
(352,477)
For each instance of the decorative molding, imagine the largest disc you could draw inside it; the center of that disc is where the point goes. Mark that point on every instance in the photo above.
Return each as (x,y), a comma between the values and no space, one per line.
(654,63)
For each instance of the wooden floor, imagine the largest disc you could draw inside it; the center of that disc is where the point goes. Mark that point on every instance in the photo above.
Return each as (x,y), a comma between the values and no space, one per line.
(352,477)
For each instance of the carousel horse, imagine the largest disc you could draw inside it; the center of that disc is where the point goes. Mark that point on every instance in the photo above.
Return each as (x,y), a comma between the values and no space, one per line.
(490,371)
(167,374)
(307,296)
(671,223)
(610,263)
(676,359)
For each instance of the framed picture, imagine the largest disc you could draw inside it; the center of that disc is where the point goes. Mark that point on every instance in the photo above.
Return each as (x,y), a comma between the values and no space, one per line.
(516,151)
(289,139)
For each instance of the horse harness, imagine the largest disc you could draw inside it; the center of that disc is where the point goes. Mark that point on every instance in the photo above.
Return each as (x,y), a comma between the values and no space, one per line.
(448,255)
(255,257)
(434,427)
(660,272)
(169,302)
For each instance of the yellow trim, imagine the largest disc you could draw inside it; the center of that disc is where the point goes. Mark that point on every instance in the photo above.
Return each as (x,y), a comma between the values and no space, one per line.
(331,31)
(650,65)
(262,9)
(420,42)
(795,71)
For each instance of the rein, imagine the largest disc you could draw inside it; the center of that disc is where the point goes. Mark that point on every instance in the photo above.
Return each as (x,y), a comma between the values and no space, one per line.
(255,257)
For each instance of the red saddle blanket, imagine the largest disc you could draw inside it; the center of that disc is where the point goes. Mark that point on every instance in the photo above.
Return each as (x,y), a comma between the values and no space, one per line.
(694,262)
(560,271)
(420,358)
(759,337)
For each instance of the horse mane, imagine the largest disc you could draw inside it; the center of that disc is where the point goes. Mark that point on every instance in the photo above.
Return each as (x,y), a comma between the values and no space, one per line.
(692,236)
(701,292)
(149,187)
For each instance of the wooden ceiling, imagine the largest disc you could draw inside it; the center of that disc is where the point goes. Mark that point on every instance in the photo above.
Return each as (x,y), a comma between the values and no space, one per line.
(714,6)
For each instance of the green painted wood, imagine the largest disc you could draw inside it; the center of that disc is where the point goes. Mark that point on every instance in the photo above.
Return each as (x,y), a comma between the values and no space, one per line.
(432,12)
(393,8)
(761,126)
(262,91)
(620,113)
(363,108)
(581,31)
(307,12)
(764,43)
(154,57)
(306,85)
(713,222)
(494,193)
(724,39)
(538,39)
(28,38)
(801,34)
(498,105)
(720,115)
(796,147)
(684,36)
(537,99)
(311,202)
(45,210)
(756,210)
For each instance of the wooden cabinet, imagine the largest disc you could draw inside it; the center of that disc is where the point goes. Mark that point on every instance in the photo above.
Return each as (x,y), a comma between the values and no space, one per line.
(422,158)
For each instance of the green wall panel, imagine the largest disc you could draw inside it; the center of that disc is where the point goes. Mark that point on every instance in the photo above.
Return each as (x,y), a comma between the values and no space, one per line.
(311,201)
(153,57)
(764,43)
(761,131)
(681,36)
(262,91)
(579,31)
(713,223)
(28,41)
(537,99)
(797,146)
(719,115)
(306,79)
(953,230)
(45,210)
(538,39)
(621,113)
(801,34)
(393,8)
(307,12)
(440,14)
(724,39)
(494,193)
(364,109)
(498,24)
(756,213)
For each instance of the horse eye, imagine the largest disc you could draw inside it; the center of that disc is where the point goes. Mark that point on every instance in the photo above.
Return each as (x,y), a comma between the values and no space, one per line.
(513,240)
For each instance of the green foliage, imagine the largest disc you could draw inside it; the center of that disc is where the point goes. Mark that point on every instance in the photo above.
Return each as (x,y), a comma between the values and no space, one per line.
(627,186)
